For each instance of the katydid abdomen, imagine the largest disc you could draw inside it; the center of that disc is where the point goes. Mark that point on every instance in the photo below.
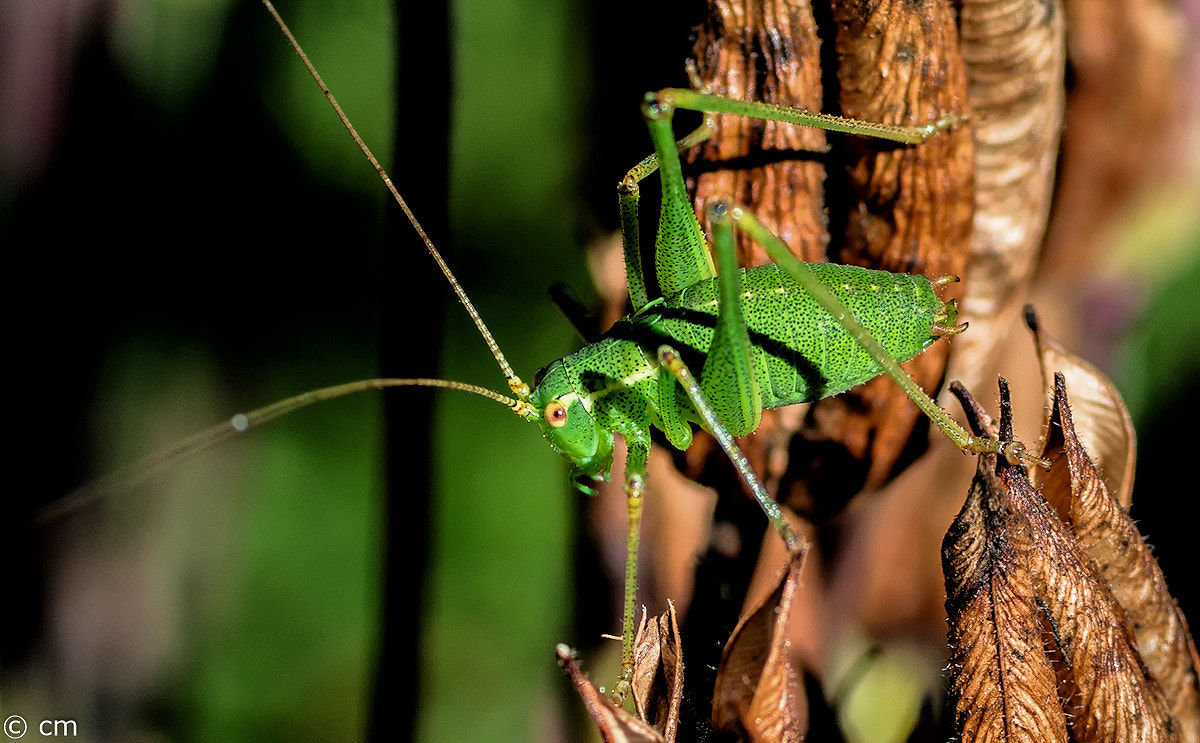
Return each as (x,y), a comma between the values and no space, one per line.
(799,351)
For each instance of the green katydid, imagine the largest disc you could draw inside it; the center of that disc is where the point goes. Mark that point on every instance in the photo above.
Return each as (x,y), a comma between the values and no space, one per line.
(696,350)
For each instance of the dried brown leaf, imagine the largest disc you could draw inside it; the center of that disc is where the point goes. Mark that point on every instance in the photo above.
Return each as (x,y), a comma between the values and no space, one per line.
(1015,54)
(1102,421)
(615,723)
(759,691)
(658,673)
(1108,536)
(1114,697)
(1106,691)
(1003,686)
(647,652)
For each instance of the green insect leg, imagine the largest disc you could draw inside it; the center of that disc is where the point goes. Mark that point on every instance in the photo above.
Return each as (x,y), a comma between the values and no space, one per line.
(1014,451)
(694,100)
(670,360)
(629,196)
(672,416)
(681,257)
(635,481)
(729,382)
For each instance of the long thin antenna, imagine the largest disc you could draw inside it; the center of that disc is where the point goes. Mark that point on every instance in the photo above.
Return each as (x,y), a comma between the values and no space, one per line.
(139,471)
(240,423)
(519,388)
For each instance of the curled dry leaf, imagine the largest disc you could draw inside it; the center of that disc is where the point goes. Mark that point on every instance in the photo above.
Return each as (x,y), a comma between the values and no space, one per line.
(657,685)
(1104,690)
(1015,55)
(759,692)
(1109,694)
(1002,682)
(658,673)
(1102,421)
(615,723)
(1003,685)
(647,653)
(1107,535)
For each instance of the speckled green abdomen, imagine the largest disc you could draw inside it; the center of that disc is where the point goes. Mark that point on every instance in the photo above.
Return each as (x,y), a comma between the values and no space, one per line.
(801,352)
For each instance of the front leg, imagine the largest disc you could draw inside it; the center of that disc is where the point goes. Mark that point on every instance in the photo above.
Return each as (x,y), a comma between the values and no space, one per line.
(635,481)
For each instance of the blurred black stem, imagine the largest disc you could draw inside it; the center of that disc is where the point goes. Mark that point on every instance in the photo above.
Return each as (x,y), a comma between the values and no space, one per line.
(410,346)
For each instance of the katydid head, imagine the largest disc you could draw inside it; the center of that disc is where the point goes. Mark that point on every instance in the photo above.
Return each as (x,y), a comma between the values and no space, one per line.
(568,425)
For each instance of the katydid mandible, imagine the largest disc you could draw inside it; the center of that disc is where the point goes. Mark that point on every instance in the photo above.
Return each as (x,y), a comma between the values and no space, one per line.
(711,345)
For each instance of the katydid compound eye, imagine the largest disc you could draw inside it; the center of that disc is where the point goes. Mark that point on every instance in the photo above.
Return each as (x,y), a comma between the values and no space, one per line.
(555,414)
